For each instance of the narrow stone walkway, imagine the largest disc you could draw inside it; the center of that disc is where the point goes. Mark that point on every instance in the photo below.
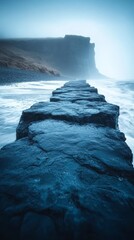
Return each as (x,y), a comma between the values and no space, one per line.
(69,174)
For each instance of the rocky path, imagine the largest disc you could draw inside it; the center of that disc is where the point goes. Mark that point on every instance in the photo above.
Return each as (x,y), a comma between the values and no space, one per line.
(69,175)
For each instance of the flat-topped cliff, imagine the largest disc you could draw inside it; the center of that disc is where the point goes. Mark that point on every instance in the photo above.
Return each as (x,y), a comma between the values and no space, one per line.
(69,174)
(71,56)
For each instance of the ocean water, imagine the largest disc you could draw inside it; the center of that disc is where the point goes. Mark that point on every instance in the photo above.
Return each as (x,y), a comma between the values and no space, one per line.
(120,93)
(15,98)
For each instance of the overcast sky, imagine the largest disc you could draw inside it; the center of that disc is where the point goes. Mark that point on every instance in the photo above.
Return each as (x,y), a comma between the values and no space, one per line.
(109,23)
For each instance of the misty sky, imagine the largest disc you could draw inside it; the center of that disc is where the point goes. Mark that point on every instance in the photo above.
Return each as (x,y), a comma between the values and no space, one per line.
(109,23)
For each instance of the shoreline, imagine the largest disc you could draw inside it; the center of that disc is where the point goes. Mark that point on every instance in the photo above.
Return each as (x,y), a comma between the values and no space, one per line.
(13,75)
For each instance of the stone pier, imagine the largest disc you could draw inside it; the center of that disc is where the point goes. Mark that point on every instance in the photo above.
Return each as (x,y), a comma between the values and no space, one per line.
(69,174)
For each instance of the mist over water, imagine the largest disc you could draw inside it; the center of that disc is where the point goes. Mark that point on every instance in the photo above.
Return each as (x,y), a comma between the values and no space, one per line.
(109,24)
(17,97)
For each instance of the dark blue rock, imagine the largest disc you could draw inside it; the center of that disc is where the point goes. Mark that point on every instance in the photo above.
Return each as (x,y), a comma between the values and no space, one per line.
(69,175)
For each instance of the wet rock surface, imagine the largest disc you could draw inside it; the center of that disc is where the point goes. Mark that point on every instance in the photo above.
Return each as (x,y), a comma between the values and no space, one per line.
(69,175)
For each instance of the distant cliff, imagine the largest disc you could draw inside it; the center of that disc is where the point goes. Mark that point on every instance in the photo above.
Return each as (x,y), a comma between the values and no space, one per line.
(71,56)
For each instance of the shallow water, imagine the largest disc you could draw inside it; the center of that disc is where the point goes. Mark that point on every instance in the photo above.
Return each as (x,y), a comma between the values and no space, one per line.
(17,97)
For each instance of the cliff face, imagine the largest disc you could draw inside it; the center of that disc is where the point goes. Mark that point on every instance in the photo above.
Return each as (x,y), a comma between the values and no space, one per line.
(71,56)
(69,175)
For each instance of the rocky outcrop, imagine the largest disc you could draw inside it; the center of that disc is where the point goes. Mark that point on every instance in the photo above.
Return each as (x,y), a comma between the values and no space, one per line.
(71,56)
(13,57)
(69,175)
